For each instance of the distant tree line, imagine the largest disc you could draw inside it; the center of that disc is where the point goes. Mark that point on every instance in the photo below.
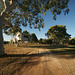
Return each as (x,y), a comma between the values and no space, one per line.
(34,37)
(55,35)
(50,41)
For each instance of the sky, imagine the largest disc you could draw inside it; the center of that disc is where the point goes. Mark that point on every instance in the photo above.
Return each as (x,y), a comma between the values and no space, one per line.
(68,20)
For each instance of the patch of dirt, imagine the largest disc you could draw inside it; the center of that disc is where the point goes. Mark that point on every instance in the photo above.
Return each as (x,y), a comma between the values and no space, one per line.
(38,61)
(49,65)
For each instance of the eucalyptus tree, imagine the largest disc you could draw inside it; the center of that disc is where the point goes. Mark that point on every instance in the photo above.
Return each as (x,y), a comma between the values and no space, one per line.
(58,33)
(25,12)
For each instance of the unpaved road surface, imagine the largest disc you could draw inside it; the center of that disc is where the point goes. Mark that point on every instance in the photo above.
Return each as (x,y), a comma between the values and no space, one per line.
(47,63)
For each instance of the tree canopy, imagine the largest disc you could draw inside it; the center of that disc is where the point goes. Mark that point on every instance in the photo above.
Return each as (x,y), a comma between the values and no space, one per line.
(23,12)
(58,33)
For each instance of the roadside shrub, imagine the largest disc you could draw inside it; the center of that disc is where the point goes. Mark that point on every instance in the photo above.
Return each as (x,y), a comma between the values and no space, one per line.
(72,41)
(49,41)
(6,42)
(45,41)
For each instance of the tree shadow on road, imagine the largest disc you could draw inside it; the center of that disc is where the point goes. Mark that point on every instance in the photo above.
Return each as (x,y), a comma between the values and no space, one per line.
(66,50)
(11,63)
(49,46)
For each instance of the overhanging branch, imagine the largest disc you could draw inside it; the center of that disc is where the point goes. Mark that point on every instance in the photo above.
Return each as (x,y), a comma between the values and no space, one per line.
(10,25)
(9,5)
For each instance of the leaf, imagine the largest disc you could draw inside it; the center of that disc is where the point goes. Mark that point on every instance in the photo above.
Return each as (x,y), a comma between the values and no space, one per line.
(44,13)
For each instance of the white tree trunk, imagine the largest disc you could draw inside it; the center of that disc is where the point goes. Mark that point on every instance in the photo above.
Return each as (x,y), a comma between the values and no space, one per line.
(1,39)
(9,5)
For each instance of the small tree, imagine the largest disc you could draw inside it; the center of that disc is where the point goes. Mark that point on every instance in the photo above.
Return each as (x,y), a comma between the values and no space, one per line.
(44,41)
(72,41)
(34,37)
(40,40)
(58,33)
(26,32)
(49,41)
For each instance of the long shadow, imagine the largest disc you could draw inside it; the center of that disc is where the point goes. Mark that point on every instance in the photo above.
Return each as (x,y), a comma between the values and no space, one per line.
(25,55)
(70,51)
(17,63)
(53,52)
(65,52)
(34,59)
(49,46)
(72,47)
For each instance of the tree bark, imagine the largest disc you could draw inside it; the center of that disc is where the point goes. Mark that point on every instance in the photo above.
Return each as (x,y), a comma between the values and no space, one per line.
(9,5)
(1,39)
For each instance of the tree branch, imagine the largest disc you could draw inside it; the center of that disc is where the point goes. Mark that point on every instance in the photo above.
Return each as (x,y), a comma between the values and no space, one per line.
(7,22)
(8,25)
(9,5)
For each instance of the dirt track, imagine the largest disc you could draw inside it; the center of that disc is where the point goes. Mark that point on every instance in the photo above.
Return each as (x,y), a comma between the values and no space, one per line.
(48,64)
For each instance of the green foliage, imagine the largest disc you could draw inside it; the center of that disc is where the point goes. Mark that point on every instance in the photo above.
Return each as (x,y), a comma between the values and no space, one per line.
(45,41)
(58,33)
(34,37)
(49,41)
(26,32)
(1,6)
(72,41)
(26,12)
(40,40)
(12,30)
(6,42)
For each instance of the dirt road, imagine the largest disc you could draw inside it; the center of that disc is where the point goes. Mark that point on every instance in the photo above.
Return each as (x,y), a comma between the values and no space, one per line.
(46,63)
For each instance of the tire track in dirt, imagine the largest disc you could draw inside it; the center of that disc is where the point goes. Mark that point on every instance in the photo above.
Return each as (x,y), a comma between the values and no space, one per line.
(49,65)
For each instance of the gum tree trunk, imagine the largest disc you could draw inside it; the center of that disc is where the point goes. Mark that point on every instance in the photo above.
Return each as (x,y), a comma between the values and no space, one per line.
(1,38)
(9,6)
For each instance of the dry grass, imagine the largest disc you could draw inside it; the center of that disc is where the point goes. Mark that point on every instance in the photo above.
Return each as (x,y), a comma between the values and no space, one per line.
(14,60)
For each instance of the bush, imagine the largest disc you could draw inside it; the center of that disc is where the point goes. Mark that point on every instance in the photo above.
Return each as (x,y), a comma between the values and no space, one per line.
(6,42)
(72,41)
(49,41)
(45,41)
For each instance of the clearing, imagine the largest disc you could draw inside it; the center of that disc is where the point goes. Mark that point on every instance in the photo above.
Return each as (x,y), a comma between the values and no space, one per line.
(38,60)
